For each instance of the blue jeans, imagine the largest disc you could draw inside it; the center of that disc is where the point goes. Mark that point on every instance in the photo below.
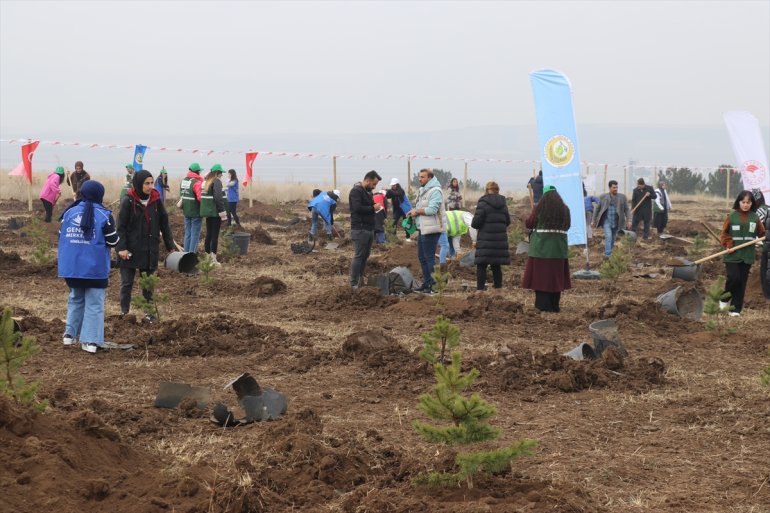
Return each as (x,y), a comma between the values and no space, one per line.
(85,315)
(192,233)
(445,248)
(426,252)
(610,234)
(314,216)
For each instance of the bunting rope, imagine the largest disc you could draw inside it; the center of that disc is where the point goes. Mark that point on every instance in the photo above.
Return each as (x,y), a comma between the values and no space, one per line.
(299,155)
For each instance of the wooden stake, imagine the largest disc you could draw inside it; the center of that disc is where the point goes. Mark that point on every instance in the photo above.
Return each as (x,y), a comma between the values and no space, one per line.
(251,192)
(408,174)
(334,172)
(604,184)
(465,184)
(727,177)
(29,187)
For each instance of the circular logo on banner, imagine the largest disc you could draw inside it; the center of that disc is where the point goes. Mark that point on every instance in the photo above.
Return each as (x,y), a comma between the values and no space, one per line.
(559,151)
(753,174)
(139,158)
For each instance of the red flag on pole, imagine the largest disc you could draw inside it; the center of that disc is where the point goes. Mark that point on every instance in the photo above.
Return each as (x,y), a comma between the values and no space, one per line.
(250,157)
(27,151)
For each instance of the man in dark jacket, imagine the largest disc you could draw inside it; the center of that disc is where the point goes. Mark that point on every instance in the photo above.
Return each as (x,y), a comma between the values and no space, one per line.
(141,220)
(612,215)
(641,200)
(536,184)
(396,195)
(362,210)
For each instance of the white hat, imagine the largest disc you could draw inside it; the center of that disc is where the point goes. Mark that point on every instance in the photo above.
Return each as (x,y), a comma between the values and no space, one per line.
(337,192)
(382,191)
(394,181)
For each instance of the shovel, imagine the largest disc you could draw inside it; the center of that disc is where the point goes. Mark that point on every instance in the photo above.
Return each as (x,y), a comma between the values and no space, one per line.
(708,229)
(640,202)
(689,271)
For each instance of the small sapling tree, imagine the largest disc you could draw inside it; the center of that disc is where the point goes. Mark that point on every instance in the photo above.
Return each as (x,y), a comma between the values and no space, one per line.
(42,254)
(228,248)
(150,282)
(515,234)
(17,349)
(718,316)
(698,247)
(462,418)
(391,240)
(616,265)
(206,265)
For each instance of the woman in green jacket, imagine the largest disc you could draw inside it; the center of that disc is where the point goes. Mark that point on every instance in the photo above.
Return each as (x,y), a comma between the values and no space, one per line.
(213,209)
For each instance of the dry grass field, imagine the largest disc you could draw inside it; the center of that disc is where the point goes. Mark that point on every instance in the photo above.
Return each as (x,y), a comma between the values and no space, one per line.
(680,425)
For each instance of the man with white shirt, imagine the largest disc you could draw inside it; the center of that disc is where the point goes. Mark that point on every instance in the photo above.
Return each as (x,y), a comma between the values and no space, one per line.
(660,207)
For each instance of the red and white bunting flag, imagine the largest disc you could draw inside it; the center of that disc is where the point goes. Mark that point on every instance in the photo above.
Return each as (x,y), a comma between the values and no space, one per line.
(250,157)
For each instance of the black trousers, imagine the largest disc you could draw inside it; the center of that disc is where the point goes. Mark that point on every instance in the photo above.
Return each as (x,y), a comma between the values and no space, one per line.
(737,278)
(764,269)
(362,244)
(481,276)
(547,301)
(232,213)
(643,215)
(127,283)
(213,224)
(660,220)
(48,206)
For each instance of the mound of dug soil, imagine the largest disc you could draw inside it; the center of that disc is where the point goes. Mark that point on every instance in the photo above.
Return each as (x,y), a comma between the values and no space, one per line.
(340,298)
(262,286)
(520,369)
(13,263)
(261,236)
(218,335)
(53,462)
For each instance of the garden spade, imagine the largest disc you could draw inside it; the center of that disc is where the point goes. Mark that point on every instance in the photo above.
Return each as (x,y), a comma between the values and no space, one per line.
(689,271)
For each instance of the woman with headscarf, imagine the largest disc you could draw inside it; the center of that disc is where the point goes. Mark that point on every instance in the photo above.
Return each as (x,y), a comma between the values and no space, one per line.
(51,192)
(547,269)
(491,220)
(87,233)
(141,220)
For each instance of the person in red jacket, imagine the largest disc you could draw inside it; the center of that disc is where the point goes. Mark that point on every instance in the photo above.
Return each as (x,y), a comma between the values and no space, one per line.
(380,216)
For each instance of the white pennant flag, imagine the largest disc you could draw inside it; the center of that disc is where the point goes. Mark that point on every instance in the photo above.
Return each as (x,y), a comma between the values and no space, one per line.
(749,149)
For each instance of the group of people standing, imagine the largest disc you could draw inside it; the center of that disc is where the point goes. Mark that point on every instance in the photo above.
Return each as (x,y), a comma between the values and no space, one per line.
(89,231)
(436,215)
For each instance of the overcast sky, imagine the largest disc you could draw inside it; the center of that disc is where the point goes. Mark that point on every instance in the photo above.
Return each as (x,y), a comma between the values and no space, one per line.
(149,70)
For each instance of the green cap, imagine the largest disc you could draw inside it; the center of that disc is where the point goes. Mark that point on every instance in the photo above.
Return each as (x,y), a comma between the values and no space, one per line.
(59,170)
(129,166)
(216,168)
(195,167)
(548,188)
(163,170)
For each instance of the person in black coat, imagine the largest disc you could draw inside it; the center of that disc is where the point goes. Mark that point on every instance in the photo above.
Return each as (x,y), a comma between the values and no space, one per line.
(396,195)
(491,220)
(536,184)
(642,196)
(362,210)
(141,220)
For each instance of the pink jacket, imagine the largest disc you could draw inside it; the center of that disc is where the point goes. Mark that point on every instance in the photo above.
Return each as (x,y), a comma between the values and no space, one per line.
(51,190)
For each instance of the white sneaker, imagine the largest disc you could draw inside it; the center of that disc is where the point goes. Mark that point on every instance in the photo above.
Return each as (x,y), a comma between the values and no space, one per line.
(723,305)
(89,348)
(734,314)
(68,340)
(407,240)
(214,259)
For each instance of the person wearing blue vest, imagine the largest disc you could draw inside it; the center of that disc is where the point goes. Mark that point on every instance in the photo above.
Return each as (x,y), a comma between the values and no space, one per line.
(87,233)
(233,197)
(588,203)
(322,205)
(741,225)
(161,184)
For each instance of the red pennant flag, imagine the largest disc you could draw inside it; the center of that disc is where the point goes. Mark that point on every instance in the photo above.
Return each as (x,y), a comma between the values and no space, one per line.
(250,157)
(27,151)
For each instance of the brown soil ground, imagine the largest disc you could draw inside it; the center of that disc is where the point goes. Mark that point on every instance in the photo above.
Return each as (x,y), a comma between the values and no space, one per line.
(681,424)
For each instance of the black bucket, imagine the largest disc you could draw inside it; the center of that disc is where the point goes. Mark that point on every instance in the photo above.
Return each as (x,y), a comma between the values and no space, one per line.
(182,262)
(687,304)
(627,234)
(581,352)
(241,239)
(687,271)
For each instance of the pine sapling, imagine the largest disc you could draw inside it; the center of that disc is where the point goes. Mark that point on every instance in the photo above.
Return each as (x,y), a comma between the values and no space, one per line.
(227,247)
(150,283)
(698,247)
(391,240)
(15,349)
(718,315)
(461,418)
(616,265)
(206,266)
(42,254)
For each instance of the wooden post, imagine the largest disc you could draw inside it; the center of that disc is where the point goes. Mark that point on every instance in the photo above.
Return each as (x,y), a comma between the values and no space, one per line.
(534,172)
(29,186)
(625,180)
(251,192)
(465,184)
(408,174)
(654,177)
(334,172)
(604,182)
(727,189)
